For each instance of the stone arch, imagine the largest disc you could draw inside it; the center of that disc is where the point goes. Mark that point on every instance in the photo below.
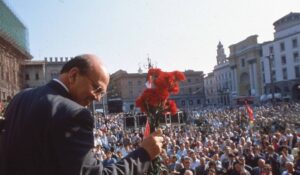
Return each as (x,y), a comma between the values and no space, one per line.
(244,84)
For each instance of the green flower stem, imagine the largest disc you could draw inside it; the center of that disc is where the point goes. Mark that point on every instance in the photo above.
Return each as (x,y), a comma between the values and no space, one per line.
(156,166)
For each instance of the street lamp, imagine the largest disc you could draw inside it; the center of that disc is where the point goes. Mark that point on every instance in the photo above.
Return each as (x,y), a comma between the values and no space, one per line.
(270,58)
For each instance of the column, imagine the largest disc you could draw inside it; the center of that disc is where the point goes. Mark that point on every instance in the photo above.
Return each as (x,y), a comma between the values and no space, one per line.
(255,79)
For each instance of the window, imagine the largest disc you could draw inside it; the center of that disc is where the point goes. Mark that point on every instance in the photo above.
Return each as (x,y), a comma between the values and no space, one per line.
(191,102)
(296,57)
(271,49)
(243,63)
(37,77)
(297,71)
(129,83)
(260,53)
(273,75)
(282,47)
(283,59)
(295,43)
(27,77)
(139,82)
(264,78)
(284,73)
(198,101)
(262,67)
(189,80)
(272,63)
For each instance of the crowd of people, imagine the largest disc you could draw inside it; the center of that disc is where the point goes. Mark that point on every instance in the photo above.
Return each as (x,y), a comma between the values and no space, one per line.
(49,130)
(218,141)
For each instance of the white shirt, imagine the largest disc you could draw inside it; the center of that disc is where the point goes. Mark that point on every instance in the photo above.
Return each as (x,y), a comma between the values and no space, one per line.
(62,84)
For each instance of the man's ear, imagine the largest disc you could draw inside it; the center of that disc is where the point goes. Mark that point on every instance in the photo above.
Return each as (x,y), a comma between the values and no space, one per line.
(72,75)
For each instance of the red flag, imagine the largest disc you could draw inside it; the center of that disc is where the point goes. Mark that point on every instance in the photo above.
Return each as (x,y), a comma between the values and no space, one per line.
(147,129)
(250,112)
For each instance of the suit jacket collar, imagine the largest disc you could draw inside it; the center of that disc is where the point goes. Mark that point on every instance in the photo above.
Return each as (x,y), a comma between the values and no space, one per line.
(58,88)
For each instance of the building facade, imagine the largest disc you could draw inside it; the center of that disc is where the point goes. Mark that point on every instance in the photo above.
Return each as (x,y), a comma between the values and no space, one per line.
(222,76)
(33,74)
(39,72)
(124,89)
(14,50)
(281,61)
(218,84)
(210,89)
(244,61)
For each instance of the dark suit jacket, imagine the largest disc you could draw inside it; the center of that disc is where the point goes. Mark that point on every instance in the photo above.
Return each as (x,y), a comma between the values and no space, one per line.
(200,170)
(49,134)
(256,171)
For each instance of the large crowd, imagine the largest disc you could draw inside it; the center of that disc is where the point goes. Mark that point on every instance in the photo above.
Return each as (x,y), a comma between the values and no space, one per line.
(216,141)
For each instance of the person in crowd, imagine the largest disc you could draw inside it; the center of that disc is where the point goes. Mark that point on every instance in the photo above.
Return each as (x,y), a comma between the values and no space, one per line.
(188,172)
(272,158)
(259,169)
(182,150)
(200,169)
(267,170)
(186,165)
(241,160)
(225,156)
(108,158)
(211,171)
(297,164)
(195,161)
(119,155)
(49,129)
(99,153)
(284,158)
(289,169)
(211,165)
(296,149)
(237,168)
(229,166)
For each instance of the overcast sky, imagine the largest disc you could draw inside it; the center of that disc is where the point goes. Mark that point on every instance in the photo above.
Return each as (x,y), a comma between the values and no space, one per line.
(176,34)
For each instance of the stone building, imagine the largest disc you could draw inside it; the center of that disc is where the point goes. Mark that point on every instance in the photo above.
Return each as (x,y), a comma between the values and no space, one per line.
(124,88)
(192,95)
(218,84)
(39,72)
(14,50)
(281,61)
(33,74)
(244,61)
(222,75)
(210,89)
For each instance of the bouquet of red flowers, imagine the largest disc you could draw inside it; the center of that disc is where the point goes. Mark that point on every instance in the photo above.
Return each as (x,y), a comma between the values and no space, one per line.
(155,101)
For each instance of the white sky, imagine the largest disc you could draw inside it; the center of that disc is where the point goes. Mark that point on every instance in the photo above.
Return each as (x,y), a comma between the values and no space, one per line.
(176,34)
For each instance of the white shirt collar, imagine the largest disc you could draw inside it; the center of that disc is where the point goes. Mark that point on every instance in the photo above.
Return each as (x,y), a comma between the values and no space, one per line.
(61,83)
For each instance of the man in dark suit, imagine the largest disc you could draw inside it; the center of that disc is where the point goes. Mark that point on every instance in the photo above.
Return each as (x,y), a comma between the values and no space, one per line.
(259,169)
(49,130)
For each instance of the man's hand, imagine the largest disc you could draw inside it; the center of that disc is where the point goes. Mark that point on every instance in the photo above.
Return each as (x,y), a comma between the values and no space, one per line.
(153,143)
